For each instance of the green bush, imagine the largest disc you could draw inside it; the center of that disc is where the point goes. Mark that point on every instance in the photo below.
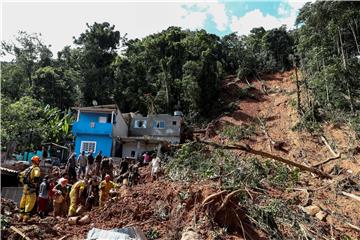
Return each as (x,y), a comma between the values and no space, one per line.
(194,161)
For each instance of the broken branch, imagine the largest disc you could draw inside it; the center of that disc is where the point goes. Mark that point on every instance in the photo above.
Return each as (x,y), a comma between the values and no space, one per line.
(327,160)
(353,196)
(328,146)
(212,196)
(19,232)
(247,148)
(228,197)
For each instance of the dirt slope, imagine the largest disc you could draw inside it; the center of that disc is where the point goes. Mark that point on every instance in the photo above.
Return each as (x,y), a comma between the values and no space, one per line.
(166,208)
(272,100)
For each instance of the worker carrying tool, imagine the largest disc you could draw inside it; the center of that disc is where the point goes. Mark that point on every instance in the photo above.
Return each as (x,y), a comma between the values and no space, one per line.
(105,187)
(30,178)
(75,196)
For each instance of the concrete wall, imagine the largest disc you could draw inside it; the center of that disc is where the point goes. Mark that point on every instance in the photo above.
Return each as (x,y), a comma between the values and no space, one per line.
(120,128)
(103,143)
(133,146)
(171,130)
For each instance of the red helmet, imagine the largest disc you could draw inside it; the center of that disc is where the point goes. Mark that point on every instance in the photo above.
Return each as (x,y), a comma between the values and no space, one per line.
(63,181)
(36,160)
(107,177)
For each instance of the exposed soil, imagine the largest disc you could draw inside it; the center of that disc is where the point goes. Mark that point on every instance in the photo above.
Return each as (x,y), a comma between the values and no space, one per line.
(170,207)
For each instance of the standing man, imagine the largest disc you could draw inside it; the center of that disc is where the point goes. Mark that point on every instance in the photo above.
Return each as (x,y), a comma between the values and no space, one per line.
(44,153)
(71,167)
(43,196)
(105,187)
(155,163)
(98,159)
(82,164)
(90,163)
(30,178)
(106,167)
(146,158)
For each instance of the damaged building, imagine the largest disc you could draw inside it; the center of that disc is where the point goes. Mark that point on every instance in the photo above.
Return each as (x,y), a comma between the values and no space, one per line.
(118,134)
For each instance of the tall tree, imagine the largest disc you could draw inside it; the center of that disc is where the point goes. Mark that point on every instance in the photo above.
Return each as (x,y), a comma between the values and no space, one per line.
(97,51)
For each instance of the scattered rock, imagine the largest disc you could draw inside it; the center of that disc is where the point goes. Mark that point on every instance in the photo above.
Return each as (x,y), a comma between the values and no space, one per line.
(330,219)
(190,234)
(312,210)
(73,220)
(84,220)
(321,215)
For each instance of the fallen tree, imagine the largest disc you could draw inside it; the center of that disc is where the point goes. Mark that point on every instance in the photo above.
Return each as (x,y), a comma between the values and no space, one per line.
(247,148)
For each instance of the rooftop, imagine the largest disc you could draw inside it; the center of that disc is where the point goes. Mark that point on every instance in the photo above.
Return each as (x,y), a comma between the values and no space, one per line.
(109,108)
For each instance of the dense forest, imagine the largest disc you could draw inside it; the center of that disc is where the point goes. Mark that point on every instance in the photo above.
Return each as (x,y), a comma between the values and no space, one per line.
(179,69)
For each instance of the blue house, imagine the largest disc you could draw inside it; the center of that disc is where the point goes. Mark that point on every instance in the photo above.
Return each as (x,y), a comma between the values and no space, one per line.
(97,128)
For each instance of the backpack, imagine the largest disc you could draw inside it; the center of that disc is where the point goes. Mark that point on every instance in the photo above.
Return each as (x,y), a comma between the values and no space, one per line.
(24,176)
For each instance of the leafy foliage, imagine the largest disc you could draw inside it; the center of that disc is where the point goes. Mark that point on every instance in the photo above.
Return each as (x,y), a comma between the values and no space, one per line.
(237,133)
(327,43)
(193,161)
(29,123)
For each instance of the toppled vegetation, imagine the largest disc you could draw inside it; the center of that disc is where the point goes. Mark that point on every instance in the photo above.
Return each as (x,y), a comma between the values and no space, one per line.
(237,133)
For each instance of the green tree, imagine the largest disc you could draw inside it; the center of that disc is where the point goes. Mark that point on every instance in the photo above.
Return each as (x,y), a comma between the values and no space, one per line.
(97,51)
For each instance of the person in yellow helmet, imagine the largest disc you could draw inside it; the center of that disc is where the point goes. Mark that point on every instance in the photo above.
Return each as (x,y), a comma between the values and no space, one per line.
(105,187)
(75,196)
(30,178)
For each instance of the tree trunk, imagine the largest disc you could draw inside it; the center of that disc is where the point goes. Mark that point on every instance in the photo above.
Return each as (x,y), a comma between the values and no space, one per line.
(298,94)
(351,102)
(248,149)
(326,85)
(342,49)
(355,38)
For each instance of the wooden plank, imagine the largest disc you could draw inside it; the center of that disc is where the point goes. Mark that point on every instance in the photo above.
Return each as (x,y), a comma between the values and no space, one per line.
(19,232)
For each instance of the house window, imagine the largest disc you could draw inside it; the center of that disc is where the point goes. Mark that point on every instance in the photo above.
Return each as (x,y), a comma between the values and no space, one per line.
(103,119)
(87,146)
(140,124)
(174,123)
(92,124)
(159,124)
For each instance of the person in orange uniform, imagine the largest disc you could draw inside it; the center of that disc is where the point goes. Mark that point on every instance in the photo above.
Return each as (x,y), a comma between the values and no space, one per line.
(75,196)
(30,178)
(105,187)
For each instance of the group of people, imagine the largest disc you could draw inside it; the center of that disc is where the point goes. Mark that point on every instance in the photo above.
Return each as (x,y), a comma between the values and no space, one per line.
(88,165)
(86,182)
(90,187)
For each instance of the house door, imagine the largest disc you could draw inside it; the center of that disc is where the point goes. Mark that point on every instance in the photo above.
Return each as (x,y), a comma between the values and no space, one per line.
(118,149)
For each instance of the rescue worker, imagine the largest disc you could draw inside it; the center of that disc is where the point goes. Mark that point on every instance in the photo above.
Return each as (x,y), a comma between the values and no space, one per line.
(60,198)
(92,193)
(134,176)
(75,196)
(30,178)
(106,167)
(105,187)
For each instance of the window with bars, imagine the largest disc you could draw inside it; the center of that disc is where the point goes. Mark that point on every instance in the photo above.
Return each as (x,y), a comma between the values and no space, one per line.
(159,124)
(87,146)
